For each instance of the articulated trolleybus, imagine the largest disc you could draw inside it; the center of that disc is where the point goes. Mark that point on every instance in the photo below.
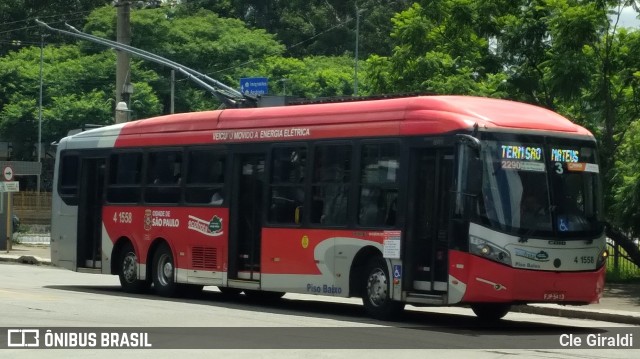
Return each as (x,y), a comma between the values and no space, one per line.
(435,200)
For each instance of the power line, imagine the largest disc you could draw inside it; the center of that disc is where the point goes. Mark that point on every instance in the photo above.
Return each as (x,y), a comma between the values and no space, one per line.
(44,17)
(35,26)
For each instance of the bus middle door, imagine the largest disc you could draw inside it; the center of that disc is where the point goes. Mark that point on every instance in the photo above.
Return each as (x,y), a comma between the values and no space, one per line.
(246,213)
(426,249)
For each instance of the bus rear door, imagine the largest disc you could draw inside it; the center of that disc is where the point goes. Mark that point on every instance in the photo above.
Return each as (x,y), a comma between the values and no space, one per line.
(92,172)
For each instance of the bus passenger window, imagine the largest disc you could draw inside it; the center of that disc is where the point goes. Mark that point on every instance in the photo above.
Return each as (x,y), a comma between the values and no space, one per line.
(287,185)
(378,185)
(69,175)
(330,184)
(124,177)
(164,177)
(205,177)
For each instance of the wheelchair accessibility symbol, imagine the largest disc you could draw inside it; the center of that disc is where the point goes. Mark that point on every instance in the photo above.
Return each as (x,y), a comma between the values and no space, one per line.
(562,224)
(397,271)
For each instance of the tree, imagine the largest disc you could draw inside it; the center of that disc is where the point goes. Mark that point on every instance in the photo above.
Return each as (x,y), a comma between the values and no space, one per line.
(17,26)
(315,27)
(310,77)
(217,46)
(439,48)
(78,89)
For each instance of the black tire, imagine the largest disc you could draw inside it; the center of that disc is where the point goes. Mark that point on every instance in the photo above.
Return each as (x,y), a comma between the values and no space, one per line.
(490,312)
(263,295)
(163,272)
(128,271)
(376,294)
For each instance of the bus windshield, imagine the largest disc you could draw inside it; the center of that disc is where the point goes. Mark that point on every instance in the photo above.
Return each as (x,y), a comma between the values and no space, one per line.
(541,189)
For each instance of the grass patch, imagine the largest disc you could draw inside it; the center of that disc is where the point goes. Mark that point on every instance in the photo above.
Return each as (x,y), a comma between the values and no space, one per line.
(626,272)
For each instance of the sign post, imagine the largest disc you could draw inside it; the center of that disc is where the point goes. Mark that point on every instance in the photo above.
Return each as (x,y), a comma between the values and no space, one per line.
(254,85)
(8,186)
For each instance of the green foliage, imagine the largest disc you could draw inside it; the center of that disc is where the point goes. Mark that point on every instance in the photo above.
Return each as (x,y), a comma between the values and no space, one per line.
(17,26)
(199,39)
(77,89)
(315,27)
(565,55)
(439,50)
(311,77)
(626,203)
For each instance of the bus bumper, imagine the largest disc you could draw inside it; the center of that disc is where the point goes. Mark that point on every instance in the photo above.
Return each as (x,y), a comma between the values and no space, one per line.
(488,281)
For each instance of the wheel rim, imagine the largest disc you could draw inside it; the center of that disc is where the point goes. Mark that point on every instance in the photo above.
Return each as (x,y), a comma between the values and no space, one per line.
(377,287)
(129,267)
(165,270)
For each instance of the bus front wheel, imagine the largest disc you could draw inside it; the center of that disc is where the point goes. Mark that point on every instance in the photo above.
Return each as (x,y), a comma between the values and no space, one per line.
(377,291)
(490,311)
(128,271)
(164,272)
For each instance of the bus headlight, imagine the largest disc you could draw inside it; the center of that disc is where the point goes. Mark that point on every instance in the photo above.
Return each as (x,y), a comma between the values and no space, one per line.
(602,258)
(486,249)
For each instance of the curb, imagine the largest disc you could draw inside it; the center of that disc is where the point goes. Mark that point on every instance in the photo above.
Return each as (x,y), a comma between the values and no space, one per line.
(579,314)
(27,259)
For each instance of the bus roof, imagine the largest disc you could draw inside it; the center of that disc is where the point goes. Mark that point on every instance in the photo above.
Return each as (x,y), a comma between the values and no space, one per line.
(399,116)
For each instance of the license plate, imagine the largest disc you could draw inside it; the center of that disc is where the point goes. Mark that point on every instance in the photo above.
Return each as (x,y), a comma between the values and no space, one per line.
(553,296)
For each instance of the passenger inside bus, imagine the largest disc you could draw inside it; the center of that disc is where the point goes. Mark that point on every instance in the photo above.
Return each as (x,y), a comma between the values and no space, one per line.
(533,215)
(370,207)
(217,199)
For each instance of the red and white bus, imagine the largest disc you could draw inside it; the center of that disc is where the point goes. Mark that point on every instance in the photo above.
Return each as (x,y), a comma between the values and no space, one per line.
(434,200)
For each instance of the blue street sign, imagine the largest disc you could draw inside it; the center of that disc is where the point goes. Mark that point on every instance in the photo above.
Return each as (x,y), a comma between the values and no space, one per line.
(254,85)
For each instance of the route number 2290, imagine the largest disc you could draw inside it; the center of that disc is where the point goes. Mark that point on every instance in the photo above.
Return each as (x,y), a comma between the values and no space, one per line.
(123,217)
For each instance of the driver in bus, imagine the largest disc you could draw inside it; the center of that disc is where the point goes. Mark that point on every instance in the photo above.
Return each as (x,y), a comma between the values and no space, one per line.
(532,213)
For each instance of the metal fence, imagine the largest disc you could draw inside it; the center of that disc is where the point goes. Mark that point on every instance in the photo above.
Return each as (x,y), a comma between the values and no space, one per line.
(619,263)
(32,208)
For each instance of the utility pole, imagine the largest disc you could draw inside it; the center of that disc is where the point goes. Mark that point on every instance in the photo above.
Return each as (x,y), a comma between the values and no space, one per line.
(355,76)
(123,65)
(40,123)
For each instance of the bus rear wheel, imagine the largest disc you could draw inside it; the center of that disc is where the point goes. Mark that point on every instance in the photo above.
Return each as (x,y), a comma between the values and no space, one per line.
(128,271)
(490,312)
(376,295)
(164,272)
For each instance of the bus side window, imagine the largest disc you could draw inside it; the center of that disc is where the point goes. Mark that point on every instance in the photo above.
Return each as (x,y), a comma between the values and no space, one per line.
(124,177)
(205,177)
(330,184)
(287,185)
(69,175)
(163,177)
(378,185)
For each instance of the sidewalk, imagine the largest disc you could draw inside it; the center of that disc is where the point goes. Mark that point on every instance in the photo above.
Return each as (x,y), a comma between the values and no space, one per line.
(620,302)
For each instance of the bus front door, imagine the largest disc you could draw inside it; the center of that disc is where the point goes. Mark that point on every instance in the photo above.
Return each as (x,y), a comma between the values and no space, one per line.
(246,209)
(426,249)
(89,249)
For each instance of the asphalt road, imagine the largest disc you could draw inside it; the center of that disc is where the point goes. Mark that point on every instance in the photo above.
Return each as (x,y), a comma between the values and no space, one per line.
(299,325)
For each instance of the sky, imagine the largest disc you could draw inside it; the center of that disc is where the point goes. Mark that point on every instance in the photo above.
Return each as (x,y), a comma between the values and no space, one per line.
(629,18)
